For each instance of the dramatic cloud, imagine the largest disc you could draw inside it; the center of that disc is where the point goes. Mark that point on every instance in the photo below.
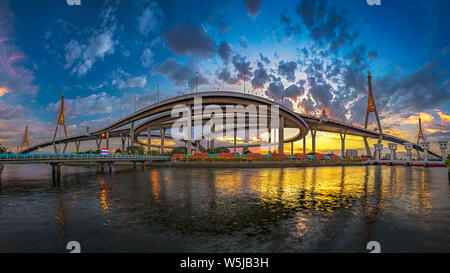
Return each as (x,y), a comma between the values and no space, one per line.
(287,69)
(326,24)
(16,79)
(81,54)
(294,91)
(181,75)
(424,89)
(225,51)
(260,76)
(80,57)
(123,80)
(190,39)
(253,7)
(100,103)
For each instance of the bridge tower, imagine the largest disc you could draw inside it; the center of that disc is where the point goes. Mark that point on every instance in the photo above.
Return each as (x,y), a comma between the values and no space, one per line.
(420,136)
(61,122)
(371,108)
(25,139)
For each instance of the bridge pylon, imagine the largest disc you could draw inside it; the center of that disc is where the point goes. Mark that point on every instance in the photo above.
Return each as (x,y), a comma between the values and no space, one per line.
(420,136)
(61,122)
(371,107)
(26,140)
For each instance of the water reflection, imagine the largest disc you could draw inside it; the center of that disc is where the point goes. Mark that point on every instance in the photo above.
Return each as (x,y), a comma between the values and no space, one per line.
(287,210)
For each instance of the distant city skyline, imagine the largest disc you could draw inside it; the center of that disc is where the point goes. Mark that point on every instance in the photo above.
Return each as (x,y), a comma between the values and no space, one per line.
(104,54)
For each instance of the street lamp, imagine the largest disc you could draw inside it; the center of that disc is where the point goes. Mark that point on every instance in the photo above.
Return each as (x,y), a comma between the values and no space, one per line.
(196,76)
(282,96)
(135,102)
(158,92)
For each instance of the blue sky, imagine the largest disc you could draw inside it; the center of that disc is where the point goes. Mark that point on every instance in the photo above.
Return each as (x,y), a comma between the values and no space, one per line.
(102,54)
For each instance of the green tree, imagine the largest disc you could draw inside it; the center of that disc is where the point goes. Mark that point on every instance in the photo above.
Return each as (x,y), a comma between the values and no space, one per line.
(2,149)
(135,150)
(179,150)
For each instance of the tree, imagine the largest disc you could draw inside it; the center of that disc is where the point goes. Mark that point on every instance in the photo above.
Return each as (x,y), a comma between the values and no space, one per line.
(179,150)
(135,150)
(2,149)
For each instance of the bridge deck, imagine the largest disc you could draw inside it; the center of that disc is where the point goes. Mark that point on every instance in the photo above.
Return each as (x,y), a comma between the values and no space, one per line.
(75,158)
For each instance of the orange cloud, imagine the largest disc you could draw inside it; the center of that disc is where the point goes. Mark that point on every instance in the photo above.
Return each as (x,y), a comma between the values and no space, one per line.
(3,91)
(443,116)
(414,119)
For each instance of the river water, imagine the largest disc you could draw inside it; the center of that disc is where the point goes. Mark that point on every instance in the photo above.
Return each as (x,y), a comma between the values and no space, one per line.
(323,209)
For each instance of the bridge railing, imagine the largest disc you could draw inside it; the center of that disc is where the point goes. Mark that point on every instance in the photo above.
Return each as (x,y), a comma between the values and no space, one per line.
(14,157)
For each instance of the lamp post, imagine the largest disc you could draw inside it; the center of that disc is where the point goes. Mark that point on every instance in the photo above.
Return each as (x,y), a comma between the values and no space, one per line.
(135,102)
(196,76)
(244,81)
(282,96)
(158,91)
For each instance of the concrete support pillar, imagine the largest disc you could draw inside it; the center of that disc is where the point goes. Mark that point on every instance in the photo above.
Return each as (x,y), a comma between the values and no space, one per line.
(149,140)
(132,133)
(77,146)
(163,136)
(304,145)
(443,145)
(235,135)
(313,137)
(211,143)
(99,143)
(123,139)
(393,149)
(342,135)
(426,147)
(378,148)
(189,147)
(107,141)
(281,135)
(110,168)
(56,173)
(408,147)
(292,147)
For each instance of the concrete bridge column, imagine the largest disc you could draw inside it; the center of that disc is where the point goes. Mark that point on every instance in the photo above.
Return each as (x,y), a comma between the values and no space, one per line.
(56,173)
(378,148)
(107,141)
(77,146)
(149,140)
(235,135)
(313,137)
(211,144)
(408,147)
(163,136)
(292,147)
(304,145)
(99,143)
(426,147)
(123,139)
(443,145)
(281,135)
(132,133)
(342,135)
(393,149)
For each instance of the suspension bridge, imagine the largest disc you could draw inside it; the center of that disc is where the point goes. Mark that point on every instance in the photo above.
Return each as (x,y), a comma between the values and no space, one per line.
(155,122)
